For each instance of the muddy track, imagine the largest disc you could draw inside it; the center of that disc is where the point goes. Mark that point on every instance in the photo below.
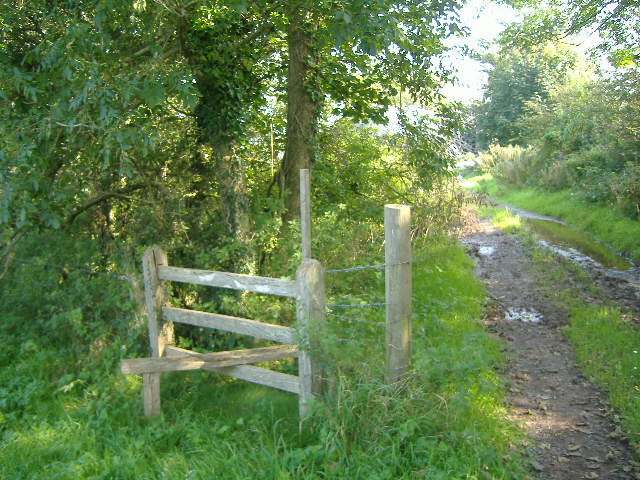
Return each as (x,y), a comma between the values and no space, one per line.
(566,418)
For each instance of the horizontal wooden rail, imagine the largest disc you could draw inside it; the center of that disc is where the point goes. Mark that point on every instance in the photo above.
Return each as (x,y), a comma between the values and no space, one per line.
(249,373)
(236,281)
(187,360)
(243,326)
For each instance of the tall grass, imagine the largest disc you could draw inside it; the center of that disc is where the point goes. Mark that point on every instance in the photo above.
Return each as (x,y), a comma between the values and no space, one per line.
(607,344)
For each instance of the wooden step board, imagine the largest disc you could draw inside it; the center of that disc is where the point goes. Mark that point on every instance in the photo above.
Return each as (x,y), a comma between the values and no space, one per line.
(179,359)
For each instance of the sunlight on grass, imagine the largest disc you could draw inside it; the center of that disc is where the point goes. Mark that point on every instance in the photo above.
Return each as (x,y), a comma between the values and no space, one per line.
(474,182)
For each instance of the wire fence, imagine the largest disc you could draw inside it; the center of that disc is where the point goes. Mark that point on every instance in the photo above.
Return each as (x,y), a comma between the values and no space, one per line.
(379,266)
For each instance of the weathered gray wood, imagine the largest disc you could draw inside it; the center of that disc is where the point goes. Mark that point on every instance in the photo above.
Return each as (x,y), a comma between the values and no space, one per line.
(250,373)
(160,333)
(151,393)
(397,219)
(236,281)
(305,213)
(311,317)
(261,376)
(243,326)
(196,361)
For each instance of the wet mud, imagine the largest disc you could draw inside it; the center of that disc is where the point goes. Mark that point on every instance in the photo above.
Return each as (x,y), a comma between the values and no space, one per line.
(566,418)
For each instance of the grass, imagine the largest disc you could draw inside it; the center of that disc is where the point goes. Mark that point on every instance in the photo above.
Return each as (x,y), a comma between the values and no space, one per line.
(607,344)
(605,338)
(65,410)
(600,222)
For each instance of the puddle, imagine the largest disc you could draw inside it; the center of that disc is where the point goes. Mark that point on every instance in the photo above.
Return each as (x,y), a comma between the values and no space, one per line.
(486,251)
(575,245)
(569,253)
(522,315)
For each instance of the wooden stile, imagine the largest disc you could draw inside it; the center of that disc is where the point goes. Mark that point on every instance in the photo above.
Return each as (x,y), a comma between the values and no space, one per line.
(305,213)
(311,316)
(261,376)
(197,361)
(160,333)
(307,289)
(250,373)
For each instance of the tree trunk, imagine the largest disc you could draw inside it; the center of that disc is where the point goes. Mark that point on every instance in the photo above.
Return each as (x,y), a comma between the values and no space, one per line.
(302,108)
(232,189)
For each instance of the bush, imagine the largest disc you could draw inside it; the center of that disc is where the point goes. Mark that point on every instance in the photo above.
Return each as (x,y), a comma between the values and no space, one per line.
(511,164)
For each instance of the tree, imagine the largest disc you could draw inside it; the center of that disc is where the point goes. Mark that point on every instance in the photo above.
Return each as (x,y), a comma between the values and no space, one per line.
(518,76)
(117,115)
(616,21)
(91,101)
(356,57)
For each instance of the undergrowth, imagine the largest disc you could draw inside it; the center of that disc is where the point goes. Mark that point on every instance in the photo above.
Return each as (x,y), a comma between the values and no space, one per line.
(65,410)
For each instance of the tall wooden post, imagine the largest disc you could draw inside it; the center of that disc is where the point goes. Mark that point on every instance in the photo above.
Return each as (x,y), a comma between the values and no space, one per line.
(311,316)
(160,333)
(397,219)
(305,212)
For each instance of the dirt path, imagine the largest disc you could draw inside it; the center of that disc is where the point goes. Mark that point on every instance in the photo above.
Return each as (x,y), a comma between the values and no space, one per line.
(563,414)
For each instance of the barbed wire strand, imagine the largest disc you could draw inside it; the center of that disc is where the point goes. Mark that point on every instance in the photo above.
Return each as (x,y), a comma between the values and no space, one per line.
(379,266)
(356,305)
(359,320)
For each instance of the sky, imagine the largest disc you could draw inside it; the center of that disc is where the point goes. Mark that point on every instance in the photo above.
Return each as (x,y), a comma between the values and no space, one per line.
(485,20)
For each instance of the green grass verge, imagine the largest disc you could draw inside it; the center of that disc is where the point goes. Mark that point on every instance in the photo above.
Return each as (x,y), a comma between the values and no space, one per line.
(601,222)
(607,344)
(65,410)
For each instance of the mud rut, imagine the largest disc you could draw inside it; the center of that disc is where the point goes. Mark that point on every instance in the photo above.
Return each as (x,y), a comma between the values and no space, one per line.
(566,418)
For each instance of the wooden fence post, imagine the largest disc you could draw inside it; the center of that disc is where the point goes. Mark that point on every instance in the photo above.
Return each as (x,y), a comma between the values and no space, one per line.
(311,316)
(305,212)
(160,333)
(397,219)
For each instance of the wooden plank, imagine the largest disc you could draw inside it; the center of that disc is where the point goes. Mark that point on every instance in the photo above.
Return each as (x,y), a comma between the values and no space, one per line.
(195,361)
(236,281)
(397,219)
(261,376)
(250,373)
(311,316)
(243,326)
(305,212)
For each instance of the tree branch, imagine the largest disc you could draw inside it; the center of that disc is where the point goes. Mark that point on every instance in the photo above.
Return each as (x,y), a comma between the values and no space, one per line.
(103,197)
